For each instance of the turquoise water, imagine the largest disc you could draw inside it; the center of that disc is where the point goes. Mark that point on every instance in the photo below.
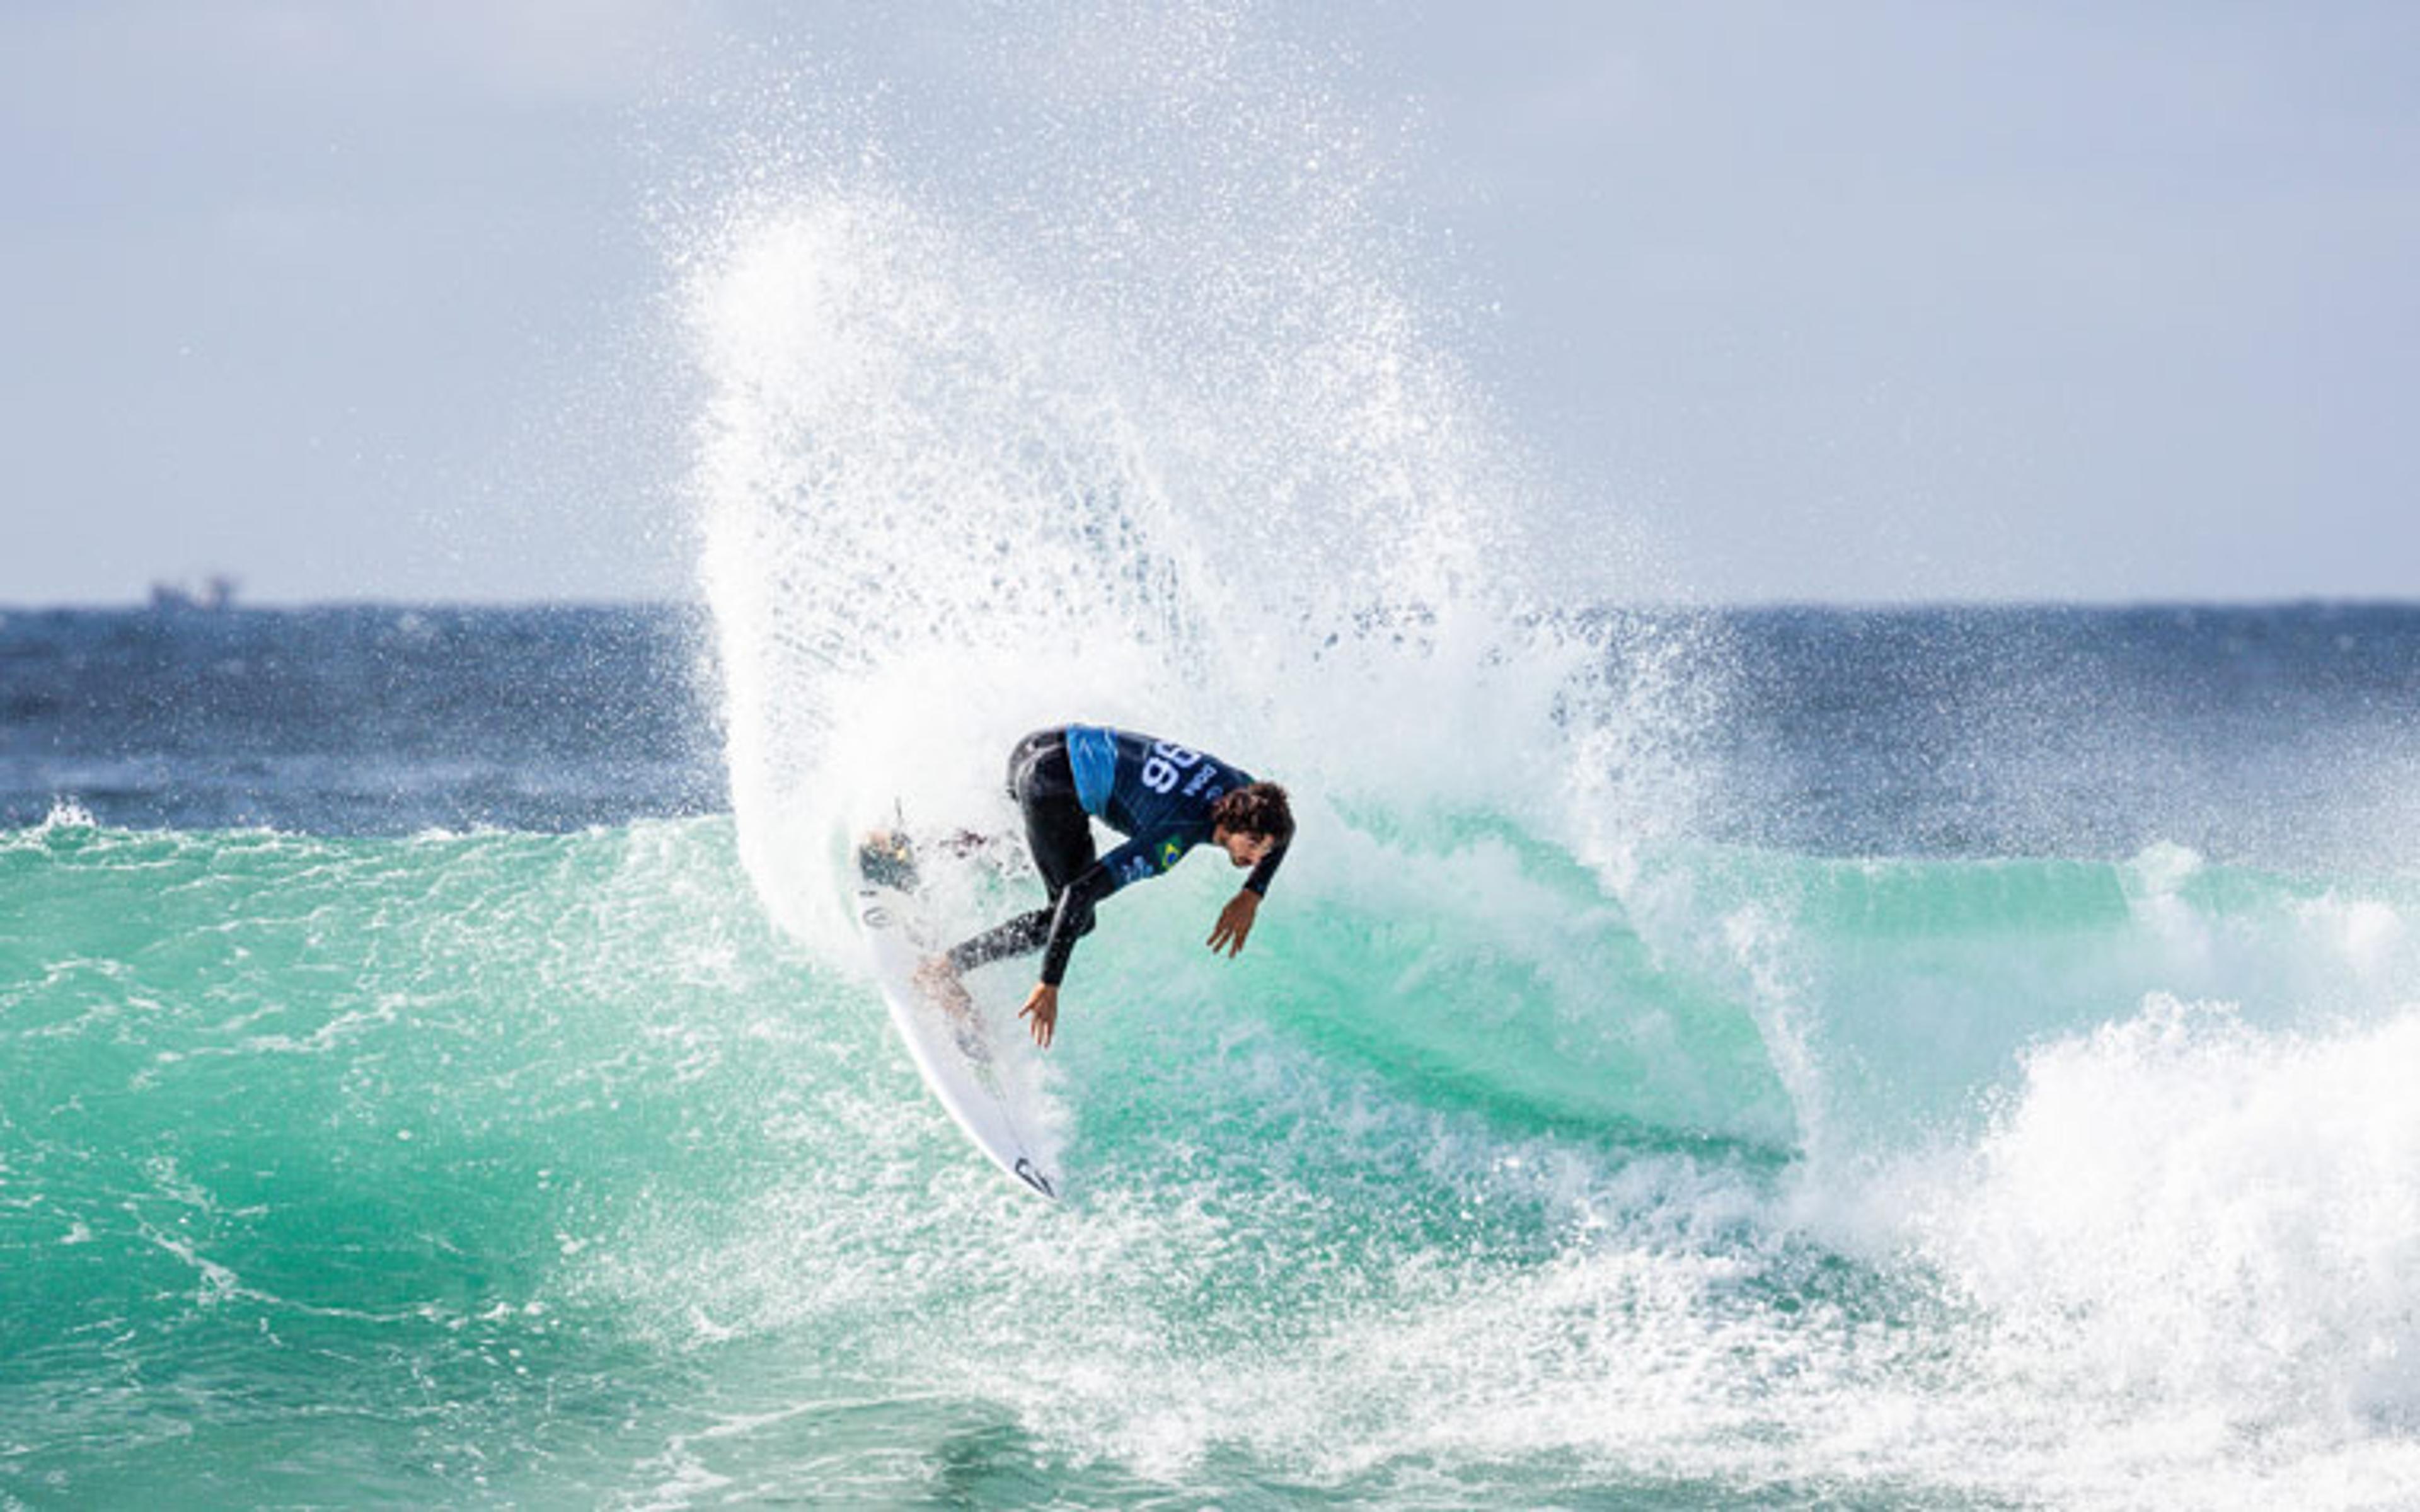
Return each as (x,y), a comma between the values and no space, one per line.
(540,1169)
(1930,1058)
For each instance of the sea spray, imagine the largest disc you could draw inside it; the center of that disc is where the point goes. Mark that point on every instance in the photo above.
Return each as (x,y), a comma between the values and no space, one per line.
(968,468)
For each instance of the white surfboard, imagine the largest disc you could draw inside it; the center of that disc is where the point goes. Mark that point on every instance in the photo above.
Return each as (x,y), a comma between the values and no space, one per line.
(955,1049)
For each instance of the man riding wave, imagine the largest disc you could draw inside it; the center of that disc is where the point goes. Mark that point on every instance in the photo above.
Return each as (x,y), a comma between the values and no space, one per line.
(1165,799)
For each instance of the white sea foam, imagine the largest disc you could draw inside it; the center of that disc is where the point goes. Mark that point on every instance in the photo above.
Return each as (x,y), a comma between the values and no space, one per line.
(2204,1215)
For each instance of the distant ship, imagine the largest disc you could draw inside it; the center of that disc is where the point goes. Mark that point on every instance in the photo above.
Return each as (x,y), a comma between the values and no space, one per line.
(218,592)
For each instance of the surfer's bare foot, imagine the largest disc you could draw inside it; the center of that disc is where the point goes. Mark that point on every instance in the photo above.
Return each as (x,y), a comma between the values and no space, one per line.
(939,980)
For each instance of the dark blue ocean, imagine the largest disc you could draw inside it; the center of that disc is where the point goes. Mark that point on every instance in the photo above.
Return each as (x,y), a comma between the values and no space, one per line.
(357,719)
(2277,733)
(1935,1058)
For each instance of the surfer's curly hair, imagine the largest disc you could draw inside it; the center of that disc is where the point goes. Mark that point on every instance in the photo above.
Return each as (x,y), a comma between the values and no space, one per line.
(1256,808)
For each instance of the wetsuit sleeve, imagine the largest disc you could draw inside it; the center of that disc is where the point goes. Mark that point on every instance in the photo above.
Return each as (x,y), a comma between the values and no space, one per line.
(1074,918)
(1140,857)
(1258,883)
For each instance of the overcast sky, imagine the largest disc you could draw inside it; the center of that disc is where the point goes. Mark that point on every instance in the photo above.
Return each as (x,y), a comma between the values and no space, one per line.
(1839,302)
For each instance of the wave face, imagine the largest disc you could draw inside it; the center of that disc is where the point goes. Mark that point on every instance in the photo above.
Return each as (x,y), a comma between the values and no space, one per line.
(542,1168)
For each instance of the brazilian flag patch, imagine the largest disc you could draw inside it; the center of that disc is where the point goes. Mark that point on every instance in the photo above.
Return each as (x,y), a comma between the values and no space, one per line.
(1171,852)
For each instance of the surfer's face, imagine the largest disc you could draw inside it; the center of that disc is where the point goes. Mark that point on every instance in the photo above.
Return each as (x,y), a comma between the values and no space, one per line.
(1245,850)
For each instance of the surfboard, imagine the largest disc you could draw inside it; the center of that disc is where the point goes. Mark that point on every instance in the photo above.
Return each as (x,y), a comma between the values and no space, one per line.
(953,1046)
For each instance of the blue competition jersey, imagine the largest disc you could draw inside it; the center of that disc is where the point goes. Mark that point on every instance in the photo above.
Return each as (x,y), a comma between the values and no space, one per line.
(1156,794)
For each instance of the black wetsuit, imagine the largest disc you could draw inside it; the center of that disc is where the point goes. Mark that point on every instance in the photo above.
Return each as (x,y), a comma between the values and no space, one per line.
(1157,795)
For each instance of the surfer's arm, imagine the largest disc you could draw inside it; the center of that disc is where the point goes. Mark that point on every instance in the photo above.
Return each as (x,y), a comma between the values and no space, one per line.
(1073,917)
(1258,883)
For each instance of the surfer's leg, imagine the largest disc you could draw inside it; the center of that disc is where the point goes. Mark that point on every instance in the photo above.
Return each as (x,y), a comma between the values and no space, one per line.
(1060,838)
(1035,748)
(1063,851)
(1021,935)
(1062,841)
(1057,833)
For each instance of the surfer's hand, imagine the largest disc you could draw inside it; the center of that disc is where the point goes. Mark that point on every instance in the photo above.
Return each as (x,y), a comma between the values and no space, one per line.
(1235,921)
(1041,1006)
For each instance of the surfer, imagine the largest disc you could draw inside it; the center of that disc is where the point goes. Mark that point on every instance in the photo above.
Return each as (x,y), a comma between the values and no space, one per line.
(1165,799)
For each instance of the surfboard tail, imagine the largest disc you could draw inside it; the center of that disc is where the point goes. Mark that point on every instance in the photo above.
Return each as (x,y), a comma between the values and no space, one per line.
(887,859)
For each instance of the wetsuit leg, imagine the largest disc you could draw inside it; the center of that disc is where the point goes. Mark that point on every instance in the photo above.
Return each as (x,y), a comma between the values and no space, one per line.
(1057,831)
(1059,834)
